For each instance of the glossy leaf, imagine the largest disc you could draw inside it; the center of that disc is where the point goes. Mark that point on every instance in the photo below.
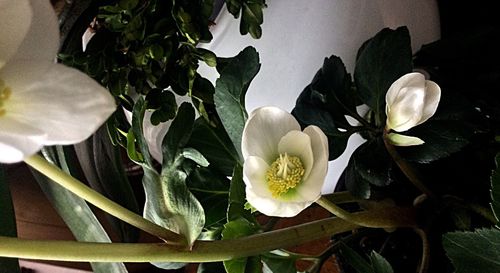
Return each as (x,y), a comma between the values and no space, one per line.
(474,252)
(8,223)
(230,89)
(382,60)
(355,260)
(380,264)
(84,225)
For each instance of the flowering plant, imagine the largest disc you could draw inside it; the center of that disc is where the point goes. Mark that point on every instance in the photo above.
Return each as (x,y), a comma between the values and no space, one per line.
(221,177)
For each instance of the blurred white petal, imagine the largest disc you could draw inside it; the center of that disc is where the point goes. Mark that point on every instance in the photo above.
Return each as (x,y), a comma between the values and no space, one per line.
(18,13)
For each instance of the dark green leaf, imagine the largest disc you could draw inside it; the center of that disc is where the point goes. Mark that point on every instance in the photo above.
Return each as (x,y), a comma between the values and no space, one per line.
(216,267)
(215,145)
(495,189)
(355,260)
(84,225)
(235,229)
(474,252)
(230,90)
(279,264)
(178,134)
(355,183)
(237,196)
(442,138)
(325,103)
(380,264)
(384,59)
(376,172)
(8,223)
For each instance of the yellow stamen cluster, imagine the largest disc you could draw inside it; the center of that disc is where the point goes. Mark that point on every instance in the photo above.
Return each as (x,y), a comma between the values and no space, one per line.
(5,93)
(285,173)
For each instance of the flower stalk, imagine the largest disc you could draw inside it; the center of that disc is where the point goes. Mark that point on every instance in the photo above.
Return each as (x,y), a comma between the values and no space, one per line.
(388,217)
(93,197)
(202,251)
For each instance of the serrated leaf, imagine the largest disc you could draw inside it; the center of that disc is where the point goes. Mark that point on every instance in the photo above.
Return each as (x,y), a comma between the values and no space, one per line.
(8,223)
(84,225)
(380,264)
(474,252)
(495,190)
(382,60)
(230,89)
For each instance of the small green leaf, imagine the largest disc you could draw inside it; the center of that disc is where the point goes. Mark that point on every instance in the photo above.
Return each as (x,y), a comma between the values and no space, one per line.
(194,155)
(474,252)
(230,90)
(383,59)
(380,264)
(235,229)
(495,190)
(355,260)
(279,264)
(8,223)
(237,196)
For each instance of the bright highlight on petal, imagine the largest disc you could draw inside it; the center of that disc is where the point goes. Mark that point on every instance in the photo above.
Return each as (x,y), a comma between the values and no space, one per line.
(284,167)
(43,103)
(410,101)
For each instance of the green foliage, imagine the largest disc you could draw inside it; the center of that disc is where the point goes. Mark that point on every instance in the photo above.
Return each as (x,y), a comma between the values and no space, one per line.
(237,197)
(326,101)
(235,76)
(251,15)
(241,227)
(376,263)
(381,61)
(8,223)
(278,263)
(472,252)
(169,202)
(86,227)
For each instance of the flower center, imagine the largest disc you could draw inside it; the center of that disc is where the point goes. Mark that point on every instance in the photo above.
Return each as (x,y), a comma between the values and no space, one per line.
(285,173)
(5,93)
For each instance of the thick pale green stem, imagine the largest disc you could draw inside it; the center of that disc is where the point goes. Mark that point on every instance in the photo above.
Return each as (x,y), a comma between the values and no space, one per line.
(93,197)
(387,217)
(202,251)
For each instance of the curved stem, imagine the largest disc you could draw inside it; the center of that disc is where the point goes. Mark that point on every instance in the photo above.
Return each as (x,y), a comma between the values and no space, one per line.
(424,263)
(341,197)
(202,251)
(95,198)
(406,168)
(388,217)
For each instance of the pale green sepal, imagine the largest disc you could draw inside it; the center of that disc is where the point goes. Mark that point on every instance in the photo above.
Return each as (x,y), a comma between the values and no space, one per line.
(402,140)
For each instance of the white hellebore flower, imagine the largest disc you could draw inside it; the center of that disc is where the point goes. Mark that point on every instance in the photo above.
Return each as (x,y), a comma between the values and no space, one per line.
(410,101)
(41,102)
(284,167)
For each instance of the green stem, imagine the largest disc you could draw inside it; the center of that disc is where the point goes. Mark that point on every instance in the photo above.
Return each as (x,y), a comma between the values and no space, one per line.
(93,197)
(341,197)
(406,168)
(202,251)
(388,217)
(424,263)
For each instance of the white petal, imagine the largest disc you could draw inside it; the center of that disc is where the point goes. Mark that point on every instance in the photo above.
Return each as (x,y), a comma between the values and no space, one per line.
(310,188)
(14,148)
(67,104)
(431,102)
(42,40)
(263,131)
(402,140)
(297,143)
(254,170)
(273,207)
(414,79)
(406,112)
(16,19)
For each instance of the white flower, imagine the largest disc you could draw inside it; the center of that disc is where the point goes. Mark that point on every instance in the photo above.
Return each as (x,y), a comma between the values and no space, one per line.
(41,102)
(410,101)
(284,167)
